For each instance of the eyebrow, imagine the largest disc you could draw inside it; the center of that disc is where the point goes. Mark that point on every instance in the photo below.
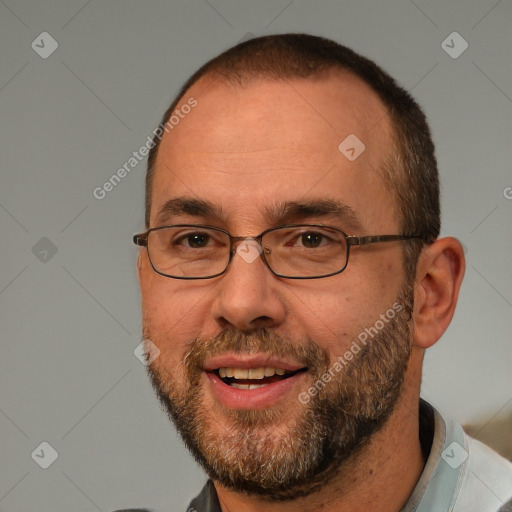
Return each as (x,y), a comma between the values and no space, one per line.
(286,212)
(294,211)
(187,206)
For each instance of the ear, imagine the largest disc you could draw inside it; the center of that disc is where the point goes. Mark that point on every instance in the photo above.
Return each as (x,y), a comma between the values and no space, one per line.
(439,274)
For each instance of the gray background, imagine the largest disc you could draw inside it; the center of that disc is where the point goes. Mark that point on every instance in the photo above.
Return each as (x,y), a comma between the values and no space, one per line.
(70,320)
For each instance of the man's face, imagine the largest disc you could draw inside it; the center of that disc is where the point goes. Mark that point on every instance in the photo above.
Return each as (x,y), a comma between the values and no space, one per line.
(252,152)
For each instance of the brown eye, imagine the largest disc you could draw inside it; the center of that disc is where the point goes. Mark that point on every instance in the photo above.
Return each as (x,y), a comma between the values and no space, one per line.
(312,240)
(193,240)
(198,240)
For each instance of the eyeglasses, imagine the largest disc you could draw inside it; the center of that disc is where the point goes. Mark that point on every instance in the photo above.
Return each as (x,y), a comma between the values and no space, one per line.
(295,251)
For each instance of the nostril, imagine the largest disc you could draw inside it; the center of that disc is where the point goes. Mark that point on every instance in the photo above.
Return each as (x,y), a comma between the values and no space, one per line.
(262,321)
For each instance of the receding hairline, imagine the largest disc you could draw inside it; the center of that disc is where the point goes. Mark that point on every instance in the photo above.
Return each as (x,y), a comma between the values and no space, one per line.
(224,76)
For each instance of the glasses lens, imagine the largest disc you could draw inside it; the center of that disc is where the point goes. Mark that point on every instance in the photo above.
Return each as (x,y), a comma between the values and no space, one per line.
(305,251)
(188,251)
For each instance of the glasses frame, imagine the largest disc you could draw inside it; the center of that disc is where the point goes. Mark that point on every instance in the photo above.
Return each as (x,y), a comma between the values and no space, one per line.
(141,239)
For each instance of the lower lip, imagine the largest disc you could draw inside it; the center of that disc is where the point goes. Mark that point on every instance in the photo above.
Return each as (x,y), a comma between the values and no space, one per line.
(258,398)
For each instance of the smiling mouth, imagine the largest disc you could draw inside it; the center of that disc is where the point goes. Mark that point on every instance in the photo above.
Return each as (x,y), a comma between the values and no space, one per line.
(253,378)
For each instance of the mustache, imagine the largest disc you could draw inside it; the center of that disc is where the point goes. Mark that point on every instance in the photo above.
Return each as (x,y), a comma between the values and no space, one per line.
(259,340)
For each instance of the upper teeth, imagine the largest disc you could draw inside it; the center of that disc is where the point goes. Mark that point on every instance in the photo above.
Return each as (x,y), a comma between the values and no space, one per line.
(250,373)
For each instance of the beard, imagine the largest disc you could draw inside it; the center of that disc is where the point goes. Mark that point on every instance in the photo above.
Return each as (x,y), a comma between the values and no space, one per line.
(286,452)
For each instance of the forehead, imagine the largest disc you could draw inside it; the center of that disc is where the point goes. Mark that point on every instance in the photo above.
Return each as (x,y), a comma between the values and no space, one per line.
(248,147)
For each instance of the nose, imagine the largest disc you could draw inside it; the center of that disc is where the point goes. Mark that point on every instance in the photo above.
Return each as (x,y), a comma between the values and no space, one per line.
(249,294)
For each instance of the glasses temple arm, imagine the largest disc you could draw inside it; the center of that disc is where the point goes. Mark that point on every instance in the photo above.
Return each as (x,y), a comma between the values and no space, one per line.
(364,240)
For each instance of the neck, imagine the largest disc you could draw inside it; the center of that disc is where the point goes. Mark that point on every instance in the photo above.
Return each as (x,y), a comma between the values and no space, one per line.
(380,477)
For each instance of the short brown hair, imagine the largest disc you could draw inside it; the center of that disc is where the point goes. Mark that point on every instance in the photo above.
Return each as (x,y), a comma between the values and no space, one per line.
(410,168)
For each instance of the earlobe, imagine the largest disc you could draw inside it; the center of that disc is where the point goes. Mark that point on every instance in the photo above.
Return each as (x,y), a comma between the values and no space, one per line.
(439,276)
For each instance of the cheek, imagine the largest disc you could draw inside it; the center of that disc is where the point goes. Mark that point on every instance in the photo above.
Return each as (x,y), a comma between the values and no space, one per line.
(334,320)
(335,314)
(172,316)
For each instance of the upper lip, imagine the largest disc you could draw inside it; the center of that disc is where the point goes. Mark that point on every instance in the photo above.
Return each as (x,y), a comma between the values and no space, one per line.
(247,361)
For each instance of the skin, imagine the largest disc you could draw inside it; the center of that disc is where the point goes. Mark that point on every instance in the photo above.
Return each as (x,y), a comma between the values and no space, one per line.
(246,148)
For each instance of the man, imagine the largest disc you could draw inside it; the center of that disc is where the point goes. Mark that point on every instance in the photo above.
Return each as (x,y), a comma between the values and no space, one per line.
(292,278)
